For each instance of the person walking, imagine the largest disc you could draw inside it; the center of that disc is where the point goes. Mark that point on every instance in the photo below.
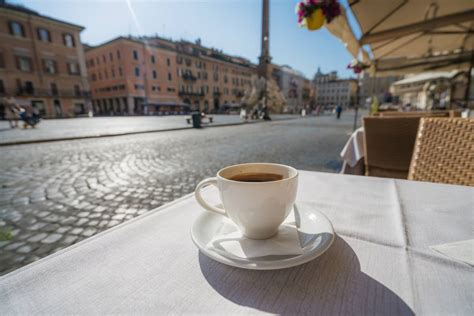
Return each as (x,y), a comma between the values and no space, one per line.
(12,112)
(338,111)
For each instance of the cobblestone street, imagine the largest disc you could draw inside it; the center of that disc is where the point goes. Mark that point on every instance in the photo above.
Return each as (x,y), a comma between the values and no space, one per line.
(53,195)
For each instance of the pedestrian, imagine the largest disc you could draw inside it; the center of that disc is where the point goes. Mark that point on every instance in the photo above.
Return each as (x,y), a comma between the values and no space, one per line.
(12,113)
(338,111)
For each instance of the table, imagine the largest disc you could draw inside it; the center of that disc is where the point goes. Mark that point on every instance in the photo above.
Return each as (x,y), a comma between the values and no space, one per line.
(353,153)
(380,262)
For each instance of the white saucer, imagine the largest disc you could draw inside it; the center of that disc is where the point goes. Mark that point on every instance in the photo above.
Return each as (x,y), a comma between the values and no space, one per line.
(314,229)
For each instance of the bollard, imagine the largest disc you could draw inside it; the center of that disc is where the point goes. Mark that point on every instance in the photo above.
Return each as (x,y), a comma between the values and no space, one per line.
(196,118)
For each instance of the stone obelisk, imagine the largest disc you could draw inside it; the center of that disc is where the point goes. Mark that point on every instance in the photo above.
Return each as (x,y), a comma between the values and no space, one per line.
(264,94)
(264,66)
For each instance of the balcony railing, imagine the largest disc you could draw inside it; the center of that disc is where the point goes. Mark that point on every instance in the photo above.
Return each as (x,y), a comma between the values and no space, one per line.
(217,93)
(189,77)
(195,94)
(52,93)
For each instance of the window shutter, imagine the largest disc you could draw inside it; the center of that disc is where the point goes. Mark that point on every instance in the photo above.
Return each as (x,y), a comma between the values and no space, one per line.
(22,30)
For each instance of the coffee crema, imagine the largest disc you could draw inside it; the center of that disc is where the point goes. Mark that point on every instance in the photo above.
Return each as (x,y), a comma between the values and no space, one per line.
(256,177)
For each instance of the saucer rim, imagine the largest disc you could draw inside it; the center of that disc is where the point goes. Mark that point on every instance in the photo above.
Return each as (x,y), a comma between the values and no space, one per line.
(277,264)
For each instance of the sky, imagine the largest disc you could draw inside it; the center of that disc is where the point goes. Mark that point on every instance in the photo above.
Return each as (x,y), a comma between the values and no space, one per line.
(231,25)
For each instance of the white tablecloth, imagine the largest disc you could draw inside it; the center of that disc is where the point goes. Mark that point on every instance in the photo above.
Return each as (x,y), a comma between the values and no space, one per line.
(353,153)
(380,263)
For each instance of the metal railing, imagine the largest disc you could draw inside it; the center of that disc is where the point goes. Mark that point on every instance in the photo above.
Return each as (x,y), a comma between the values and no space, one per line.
(51,93)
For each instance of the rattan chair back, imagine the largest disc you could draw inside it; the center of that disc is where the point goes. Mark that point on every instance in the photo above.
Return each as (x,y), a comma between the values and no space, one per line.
(444,151)
(389,143)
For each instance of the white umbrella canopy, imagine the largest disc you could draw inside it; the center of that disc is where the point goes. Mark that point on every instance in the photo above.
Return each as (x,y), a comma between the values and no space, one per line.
(416,35)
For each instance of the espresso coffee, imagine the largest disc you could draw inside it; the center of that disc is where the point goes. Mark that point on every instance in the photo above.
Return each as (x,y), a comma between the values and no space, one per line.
(257,177)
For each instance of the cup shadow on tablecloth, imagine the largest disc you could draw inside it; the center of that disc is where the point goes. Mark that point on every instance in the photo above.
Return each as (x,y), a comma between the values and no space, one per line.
(330,284)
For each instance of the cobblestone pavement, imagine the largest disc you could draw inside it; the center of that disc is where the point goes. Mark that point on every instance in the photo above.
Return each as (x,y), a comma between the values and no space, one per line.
(83,127)
(53,195)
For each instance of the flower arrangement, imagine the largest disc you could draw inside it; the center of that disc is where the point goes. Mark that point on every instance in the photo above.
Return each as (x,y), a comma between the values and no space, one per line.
(357,66)
(313,13)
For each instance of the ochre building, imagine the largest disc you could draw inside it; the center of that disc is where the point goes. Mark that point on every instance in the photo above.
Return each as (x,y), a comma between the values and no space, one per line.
(42,64)
(153,75)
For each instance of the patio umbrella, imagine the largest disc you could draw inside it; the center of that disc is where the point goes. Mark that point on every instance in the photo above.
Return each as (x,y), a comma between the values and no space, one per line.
(413,36)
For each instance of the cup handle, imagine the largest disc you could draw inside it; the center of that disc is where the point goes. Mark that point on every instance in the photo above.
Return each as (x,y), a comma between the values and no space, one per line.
(200,200)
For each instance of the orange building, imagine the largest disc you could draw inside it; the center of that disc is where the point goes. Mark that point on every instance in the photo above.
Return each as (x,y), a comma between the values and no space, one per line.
(129,76)
(42,63)
(150,75)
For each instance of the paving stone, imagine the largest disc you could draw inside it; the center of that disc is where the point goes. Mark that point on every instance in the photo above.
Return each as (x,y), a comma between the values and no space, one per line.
(52,238)
(89,232)
(83,214)
(68,240)
(76,231)
(24,249)
(14,245)
(113,223)
(82,221)
(37,237)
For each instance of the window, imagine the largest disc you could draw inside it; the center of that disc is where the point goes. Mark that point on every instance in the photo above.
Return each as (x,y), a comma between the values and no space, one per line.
(120,71)
(152,59)
(98,60)
(111,57)
(91,62)
(68,40)
(135,55)
(104,59)
(168,61)
(2,60)
(16,29)
(113,73)
(29,87)
(106,74)
(49,66)
(169,76)
(44,35)
(118,54)
(154,74)
(73,68)
(77,90)
(54,89)
(100,75)
(2,87)
(94,77)
(137,72)
(24,63)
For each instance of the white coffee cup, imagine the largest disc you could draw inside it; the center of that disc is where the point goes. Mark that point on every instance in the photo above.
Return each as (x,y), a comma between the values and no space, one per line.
(257,208)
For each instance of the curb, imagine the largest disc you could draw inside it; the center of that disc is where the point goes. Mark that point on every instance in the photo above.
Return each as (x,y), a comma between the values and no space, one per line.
(50,140)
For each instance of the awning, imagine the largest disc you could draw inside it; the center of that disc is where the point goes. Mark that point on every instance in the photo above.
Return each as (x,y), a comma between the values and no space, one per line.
(407,36)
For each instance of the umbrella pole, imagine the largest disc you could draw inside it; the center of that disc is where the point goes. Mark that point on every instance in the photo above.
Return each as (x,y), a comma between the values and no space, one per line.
(356,105)
(468,88)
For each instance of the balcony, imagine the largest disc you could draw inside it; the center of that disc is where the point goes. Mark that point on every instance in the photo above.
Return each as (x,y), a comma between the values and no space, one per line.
(23,92)
(191,94)
(188,77)
(217,93)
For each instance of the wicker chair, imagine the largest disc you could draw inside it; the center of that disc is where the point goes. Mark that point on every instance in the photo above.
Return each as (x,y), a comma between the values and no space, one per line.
(416,114)
(389,143)
(444,151)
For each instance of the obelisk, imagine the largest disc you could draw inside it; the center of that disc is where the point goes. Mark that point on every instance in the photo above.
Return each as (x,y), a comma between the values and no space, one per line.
(264,69)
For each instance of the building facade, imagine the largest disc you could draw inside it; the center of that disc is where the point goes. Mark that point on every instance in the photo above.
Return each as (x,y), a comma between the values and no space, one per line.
(154,75)
(426,91)
(330,91)
(42,63)
(128,76)
(378,86)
